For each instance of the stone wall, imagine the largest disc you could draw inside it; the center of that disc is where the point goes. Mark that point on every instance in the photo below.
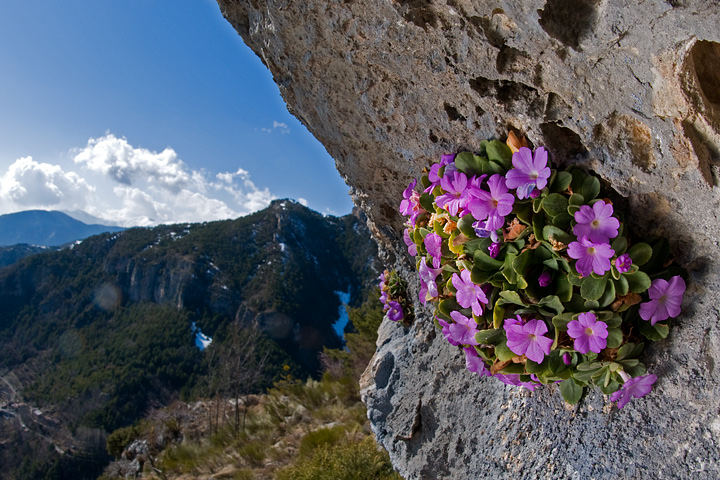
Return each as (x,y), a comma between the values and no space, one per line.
(629,90)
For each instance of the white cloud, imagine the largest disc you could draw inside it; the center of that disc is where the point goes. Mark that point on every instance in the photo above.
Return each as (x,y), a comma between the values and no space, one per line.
(277,126)
(130,186)
(29,184)
(302,202)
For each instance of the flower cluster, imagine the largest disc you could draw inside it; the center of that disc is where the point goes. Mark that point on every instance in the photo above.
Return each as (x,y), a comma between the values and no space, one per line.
(393,295)
(533,274)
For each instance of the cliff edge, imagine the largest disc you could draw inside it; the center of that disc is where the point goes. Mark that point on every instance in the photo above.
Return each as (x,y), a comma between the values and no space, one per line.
(629,92)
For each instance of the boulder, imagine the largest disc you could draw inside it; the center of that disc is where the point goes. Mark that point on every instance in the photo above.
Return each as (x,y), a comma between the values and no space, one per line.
(628,91)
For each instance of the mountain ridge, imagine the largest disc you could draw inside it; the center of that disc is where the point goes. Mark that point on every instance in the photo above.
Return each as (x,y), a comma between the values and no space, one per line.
(46,228)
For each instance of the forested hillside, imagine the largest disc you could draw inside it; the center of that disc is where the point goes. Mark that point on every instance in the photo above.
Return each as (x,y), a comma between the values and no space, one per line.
(95,335)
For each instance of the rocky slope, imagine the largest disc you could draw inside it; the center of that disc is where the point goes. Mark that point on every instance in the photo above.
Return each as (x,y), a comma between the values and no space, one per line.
(631,92)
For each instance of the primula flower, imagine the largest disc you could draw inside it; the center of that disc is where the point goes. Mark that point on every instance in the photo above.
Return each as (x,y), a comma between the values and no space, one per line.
(567,358)
(596,223)
(433,244)
(382,279)
(496,203)
(410,205)
(634,388)
(384,301)
(544,279)
(474,363)
(591,257)
(411,246)
(665,299)
(514,379)
(468,294)
(463,330)
(623,263)
(446,331)
(589,333)
(455,184)
(446,161)
(395,311)
(494,250)
(427,280)
(529,172)
(528,339)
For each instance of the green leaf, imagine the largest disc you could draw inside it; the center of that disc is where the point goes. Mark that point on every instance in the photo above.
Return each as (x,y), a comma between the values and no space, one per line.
(503,353)
(608,296)
(619,245)
(552,302)
(537,204)
(571,391)
(555,204)
(629,350)
(621,286)
(532,367)
(508,271)
(563,288)
(590,188)
(448,305)
(512,297)
(489,337)
(498,316)
(654,332)
(426,201)
(522,210)
(592,305)
(612,387)
(469,164)
(563,220)
(521,261)
(592,288)
(562,182)
(499,152)
(640,253)
(560,321)
(480,276)
(614,338)
(557,234)
(576,200)
(638,282)
(465,226)
(578,179)
(483,261)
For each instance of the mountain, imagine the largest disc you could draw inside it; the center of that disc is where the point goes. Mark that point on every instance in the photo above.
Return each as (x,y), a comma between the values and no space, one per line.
(95,335)
(45,228)
(13,253)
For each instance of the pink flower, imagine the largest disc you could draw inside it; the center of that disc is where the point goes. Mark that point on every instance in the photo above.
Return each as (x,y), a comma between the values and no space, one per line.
(665,299)
(623,263)
(410,205)
(514,379)
(590,256)
(495,203)
(528,339)
(529,172)
(634,388)
(455,184)
(427,280)
(474,363)
(446,331)
(596,223)
(463,330)
(411,246)
(494,250)
(589,333)
(395,312)
(468,294)
(433,244)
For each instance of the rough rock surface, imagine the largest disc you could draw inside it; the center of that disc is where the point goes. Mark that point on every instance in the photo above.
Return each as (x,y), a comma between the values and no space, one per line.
(629,90)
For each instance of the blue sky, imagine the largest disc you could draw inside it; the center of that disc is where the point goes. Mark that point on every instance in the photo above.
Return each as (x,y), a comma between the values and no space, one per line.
(145,112)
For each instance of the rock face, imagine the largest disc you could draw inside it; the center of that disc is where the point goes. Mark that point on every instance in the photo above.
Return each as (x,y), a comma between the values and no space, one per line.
(629,91)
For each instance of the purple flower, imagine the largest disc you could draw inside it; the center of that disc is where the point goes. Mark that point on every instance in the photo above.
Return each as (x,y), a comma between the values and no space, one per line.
(468,294)
(665,299)
(427,280)
(410,205)
(590,256)
(455,184)
(446,331)
(494,250)
(480,229)
(514,379)
(384,301)
(382,280)
(567,358)
(596,223)
(474,363)
(411,246)
(528,339)
(463,330)
(634,388)
(544,279)
(395,311)
(623,263)
(433,243)
(529,172)
(446,161)
(590,334)
(495,203)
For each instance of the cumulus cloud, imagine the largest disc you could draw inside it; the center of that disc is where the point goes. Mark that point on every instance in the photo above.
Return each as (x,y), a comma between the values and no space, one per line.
(130,186)
(277,127)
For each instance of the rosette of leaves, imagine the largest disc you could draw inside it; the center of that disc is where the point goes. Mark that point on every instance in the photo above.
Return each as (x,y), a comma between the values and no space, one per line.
(395,299)
(526,273)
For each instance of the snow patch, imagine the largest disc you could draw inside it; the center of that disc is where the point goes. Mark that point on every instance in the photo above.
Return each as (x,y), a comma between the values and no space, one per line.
(201,340)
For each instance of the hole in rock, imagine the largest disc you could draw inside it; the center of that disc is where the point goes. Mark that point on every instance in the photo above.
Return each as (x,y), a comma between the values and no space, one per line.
(453,114)
(569,21)
(419,12)
(706,60)
(562,143)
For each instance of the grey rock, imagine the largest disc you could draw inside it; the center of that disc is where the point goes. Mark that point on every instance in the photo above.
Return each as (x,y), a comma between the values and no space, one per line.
(630,91)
